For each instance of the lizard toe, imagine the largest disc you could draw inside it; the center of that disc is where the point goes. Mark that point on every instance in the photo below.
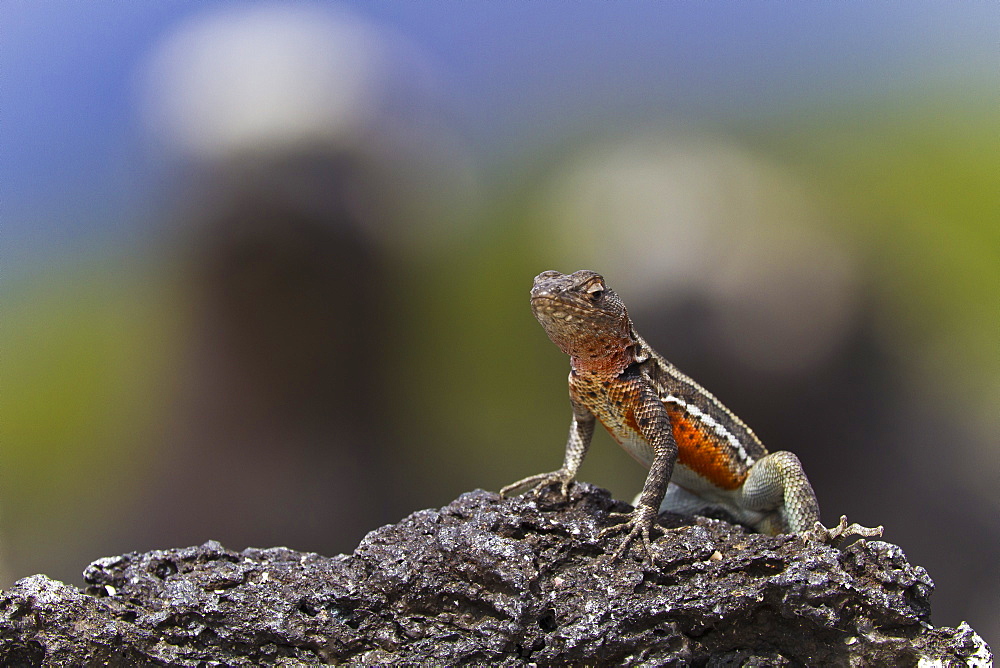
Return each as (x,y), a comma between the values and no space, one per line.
(536,483)
(638,524)
(835,536)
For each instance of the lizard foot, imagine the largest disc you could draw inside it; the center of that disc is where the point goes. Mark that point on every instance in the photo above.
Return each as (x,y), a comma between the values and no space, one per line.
(639,523)
(843,530)
(539,482)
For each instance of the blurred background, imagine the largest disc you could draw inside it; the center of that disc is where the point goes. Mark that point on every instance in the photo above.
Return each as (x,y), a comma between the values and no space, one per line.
(265,266)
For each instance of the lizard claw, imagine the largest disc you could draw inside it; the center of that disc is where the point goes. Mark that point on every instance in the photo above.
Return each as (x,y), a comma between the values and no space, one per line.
(638,523)
(836,535)
(539,482)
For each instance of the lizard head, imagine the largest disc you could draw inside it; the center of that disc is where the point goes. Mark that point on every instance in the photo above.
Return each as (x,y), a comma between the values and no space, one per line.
(581,314)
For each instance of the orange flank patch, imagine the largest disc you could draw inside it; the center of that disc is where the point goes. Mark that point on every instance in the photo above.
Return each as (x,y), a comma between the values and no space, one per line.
(702,450)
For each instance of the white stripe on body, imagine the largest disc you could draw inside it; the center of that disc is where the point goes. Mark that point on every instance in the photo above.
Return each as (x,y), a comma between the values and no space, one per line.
(714,425)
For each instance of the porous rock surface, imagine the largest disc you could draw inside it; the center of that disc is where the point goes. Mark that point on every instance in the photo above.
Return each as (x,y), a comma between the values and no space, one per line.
(494,582)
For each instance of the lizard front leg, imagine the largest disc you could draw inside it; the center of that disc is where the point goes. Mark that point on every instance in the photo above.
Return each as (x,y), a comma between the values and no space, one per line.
(654,425)
(581,432)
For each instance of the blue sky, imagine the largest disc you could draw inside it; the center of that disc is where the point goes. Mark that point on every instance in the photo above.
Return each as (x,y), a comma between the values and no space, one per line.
(75,160)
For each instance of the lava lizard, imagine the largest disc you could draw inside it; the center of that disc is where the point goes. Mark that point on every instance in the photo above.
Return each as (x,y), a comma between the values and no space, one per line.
(666,421)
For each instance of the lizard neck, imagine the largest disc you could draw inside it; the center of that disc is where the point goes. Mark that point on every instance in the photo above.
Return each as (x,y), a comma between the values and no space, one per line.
(604,358)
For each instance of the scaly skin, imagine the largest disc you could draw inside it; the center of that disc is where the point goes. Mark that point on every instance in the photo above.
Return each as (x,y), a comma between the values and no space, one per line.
(666,421)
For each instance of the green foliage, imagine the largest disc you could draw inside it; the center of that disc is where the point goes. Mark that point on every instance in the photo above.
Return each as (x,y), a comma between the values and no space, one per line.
(84,350)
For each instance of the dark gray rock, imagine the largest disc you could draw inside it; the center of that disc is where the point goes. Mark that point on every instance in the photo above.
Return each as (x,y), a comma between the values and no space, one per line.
(491,581)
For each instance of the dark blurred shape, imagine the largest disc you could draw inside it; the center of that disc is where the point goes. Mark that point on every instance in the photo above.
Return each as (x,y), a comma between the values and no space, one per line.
(282,404)
(288,283)
(298,131)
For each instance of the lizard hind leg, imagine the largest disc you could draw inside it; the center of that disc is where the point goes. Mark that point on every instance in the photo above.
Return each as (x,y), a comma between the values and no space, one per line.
(778,487)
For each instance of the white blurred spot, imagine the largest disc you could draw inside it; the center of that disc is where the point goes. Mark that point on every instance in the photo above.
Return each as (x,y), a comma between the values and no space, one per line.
(252,81)
(261,77)
(667,216)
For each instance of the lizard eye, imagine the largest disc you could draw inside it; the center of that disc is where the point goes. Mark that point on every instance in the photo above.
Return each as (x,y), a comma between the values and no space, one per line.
(595,290)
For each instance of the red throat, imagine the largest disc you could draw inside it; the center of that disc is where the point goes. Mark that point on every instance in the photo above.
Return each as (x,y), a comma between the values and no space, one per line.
(604,357)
